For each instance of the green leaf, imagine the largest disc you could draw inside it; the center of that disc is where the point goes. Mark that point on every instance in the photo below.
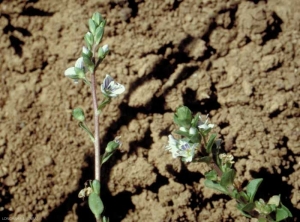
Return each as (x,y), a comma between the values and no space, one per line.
(227,178)
(252,188)
(242,196)
(183,117)
(78,114)
(196,138)
(195,120)
(79,73)
(211,175)
(96,186)
(248,207)
(97,18)
(234,193)
(105,157)
(282,213)
(87,52)
(210,143)
(88,62)
(98,34)
(262,219)
(182,133)
(286,209)
(240,207)
(106,101)
(215,186)
(89,40)
(87,130)
(96,204)
(92,26)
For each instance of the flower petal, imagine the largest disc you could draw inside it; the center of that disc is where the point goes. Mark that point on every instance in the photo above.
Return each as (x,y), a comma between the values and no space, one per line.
(172,146)
(117,89)
(70,72)
(105,48)
(108,79)
(79,63)
(85,50)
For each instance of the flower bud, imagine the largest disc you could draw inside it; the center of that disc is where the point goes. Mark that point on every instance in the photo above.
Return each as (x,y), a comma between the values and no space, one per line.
(192,131)
(78,114)
(103,51)
(274,200)
(112,146)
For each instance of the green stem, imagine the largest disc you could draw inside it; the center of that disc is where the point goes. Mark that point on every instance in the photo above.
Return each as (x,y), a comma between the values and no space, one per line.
(203,150)
(96,125)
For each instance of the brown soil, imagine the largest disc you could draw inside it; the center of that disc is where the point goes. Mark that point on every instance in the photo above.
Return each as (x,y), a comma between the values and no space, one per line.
(237,60)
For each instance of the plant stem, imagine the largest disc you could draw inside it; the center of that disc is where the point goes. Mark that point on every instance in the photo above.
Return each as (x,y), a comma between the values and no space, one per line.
(217,169)
(96,125)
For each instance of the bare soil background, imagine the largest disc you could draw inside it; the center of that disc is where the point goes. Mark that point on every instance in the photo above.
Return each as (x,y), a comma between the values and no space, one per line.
(236,60)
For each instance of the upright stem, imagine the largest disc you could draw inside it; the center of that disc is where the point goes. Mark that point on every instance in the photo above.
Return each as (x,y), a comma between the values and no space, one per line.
(96,125)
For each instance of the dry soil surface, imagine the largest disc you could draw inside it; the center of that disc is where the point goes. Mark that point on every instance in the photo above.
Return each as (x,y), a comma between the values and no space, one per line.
(236,60)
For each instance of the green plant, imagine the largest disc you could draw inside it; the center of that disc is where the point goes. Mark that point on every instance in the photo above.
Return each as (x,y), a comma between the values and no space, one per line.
(196,143)
(91,57)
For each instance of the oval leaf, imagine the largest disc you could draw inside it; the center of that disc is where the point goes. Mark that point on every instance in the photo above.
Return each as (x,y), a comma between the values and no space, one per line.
(96,205)
(252,188)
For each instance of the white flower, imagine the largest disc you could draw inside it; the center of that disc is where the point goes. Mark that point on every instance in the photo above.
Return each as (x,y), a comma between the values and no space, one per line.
(203,125)
(172,146)
(181,148)
(111,88)
(85,50)
(77,72)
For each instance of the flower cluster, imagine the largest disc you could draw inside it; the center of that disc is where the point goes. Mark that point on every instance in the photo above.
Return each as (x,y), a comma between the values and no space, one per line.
(192,129)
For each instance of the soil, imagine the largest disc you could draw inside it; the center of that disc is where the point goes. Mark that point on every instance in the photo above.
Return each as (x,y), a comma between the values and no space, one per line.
(236,60)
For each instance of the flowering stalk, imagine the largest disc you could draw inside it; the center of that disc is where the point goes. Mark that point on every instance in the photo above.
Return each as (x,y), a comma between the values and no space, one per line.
(197,144)
(88,63)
